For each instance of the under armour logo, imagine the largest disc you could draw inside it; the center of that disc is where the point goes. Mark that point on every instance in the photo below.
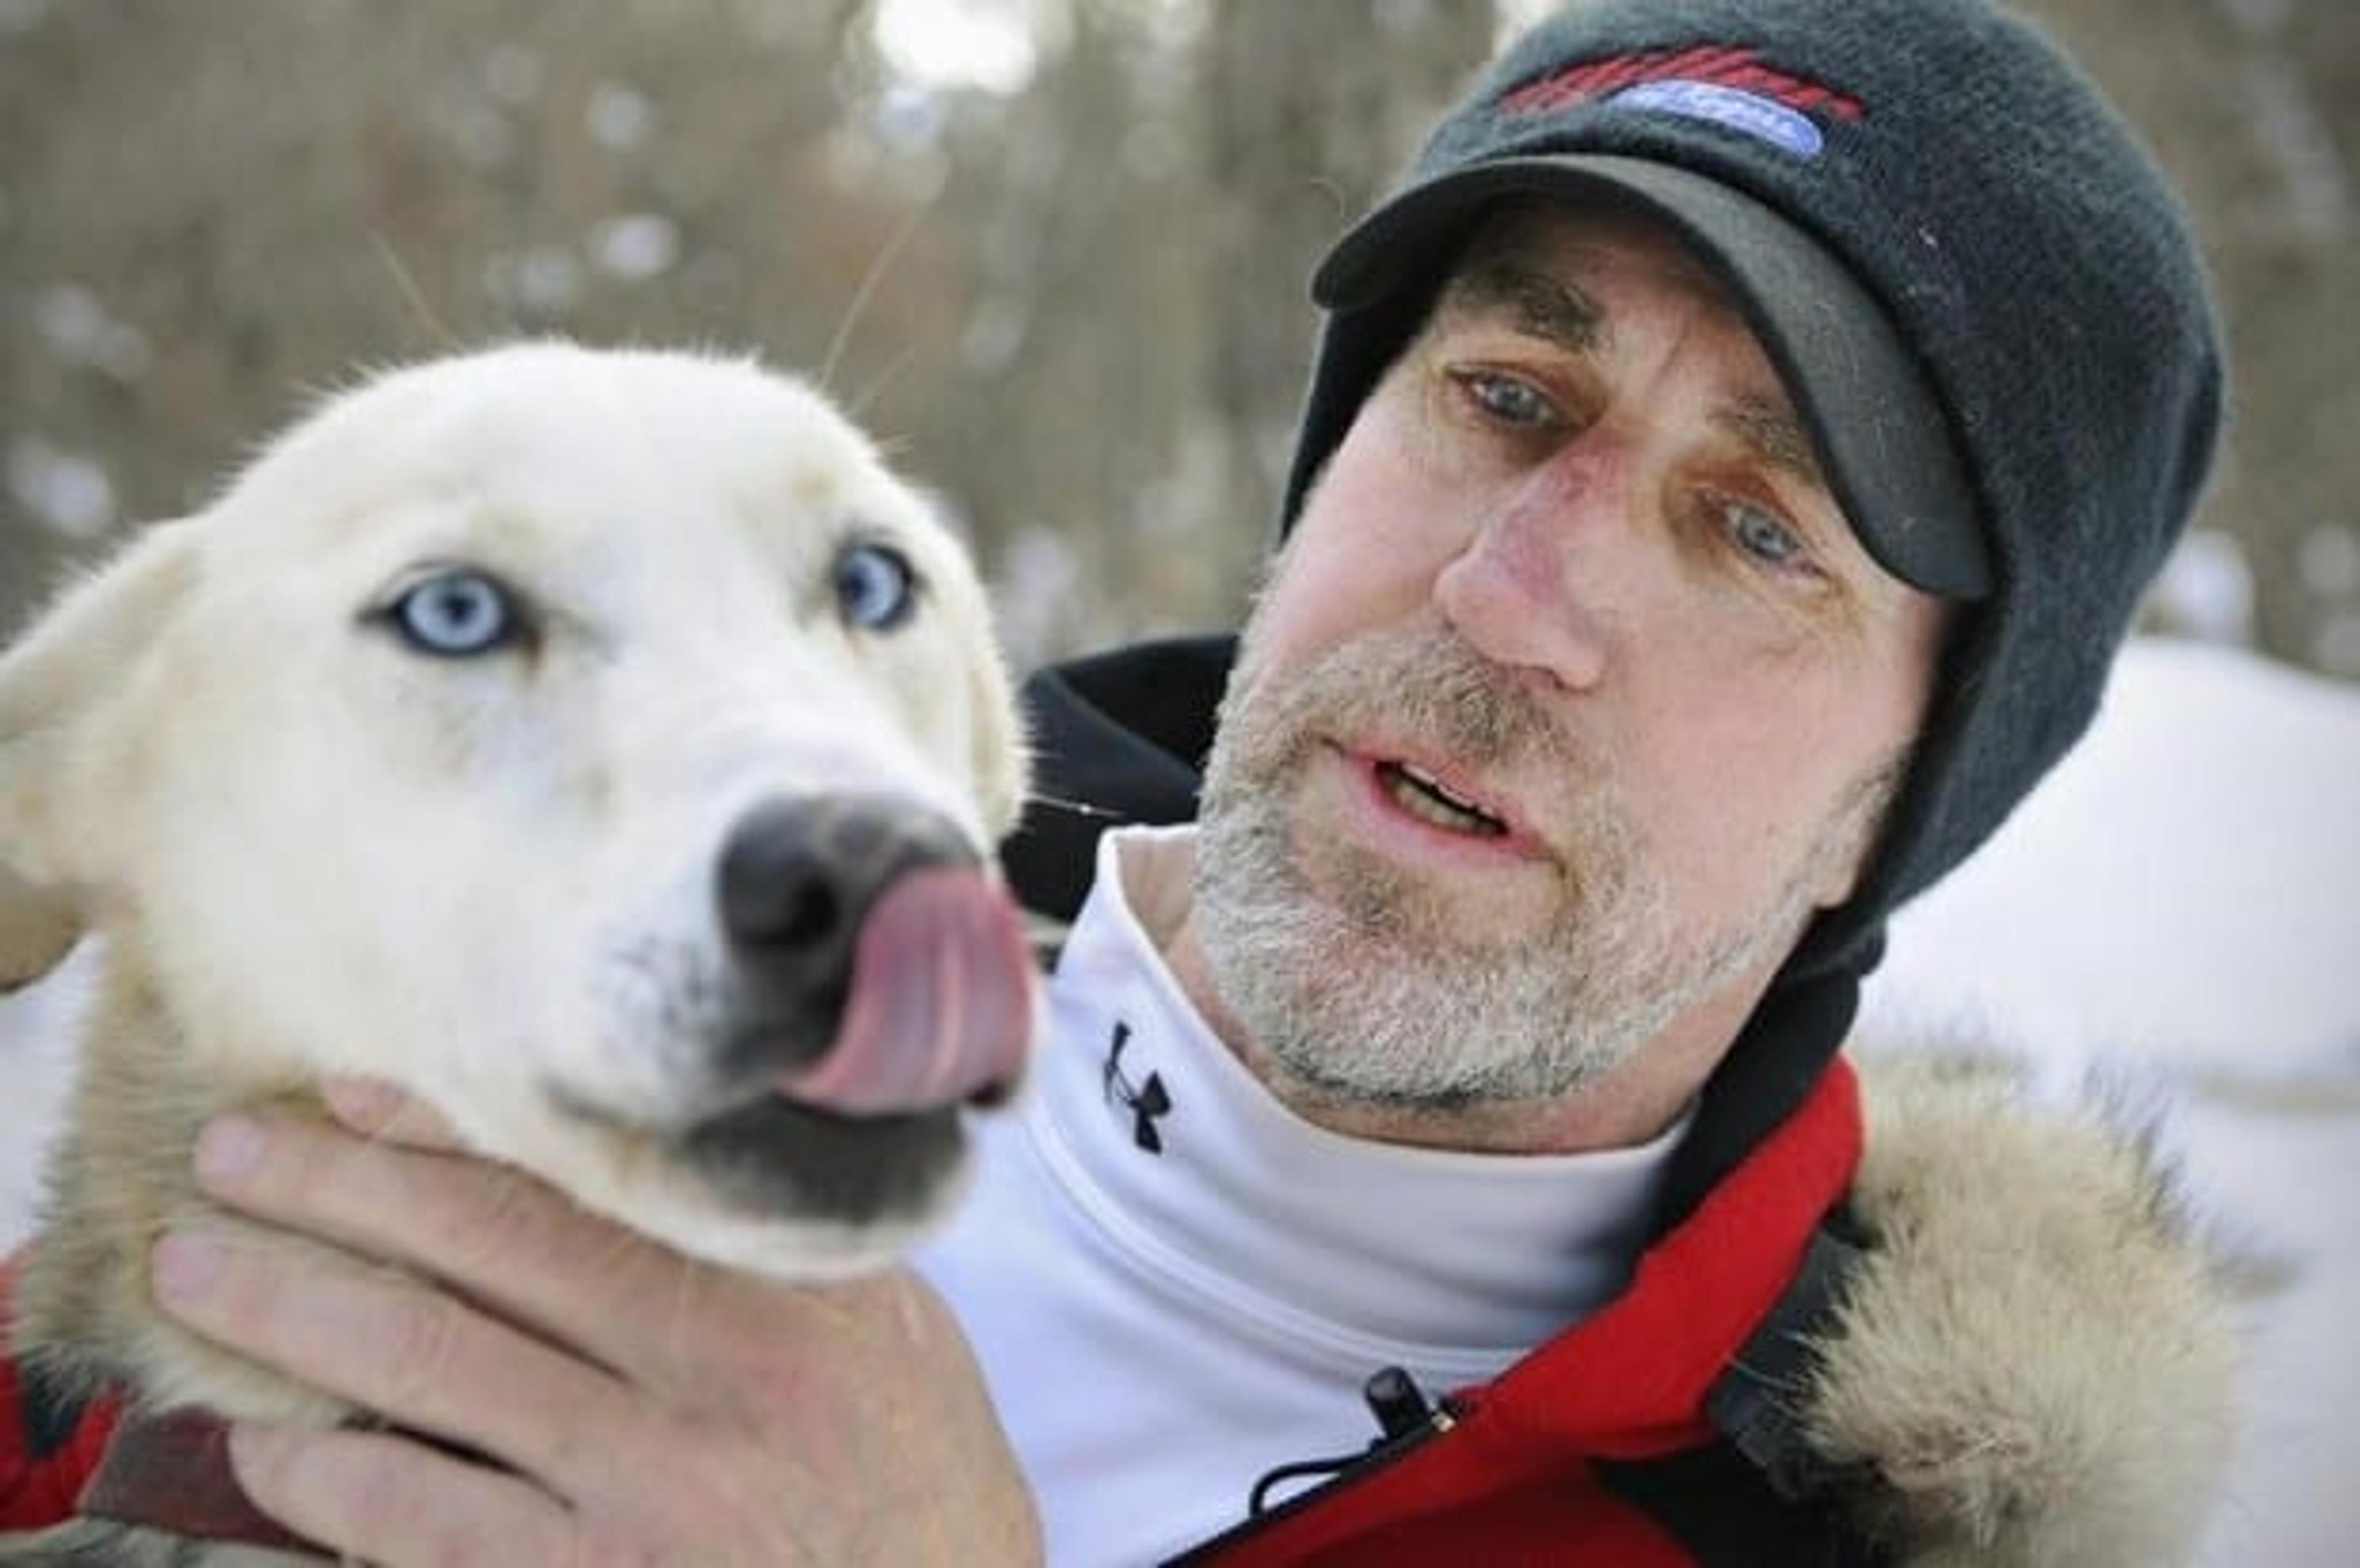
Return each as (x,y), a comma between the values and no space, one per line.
(1147,1101)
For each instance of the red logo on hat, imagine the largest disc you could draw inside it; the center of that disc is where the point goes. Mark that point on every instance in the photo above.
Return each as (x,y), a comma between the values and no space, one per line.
(1739,69)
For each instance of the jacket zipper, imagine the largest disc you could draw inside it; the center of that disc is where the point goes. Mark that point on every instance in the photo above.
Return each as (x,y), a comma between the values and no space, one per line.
(1381,1456)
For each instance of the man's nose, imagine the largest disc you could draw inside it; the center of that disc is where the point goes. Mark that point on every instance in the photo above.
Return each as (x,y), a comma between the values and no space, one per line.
(1551,574)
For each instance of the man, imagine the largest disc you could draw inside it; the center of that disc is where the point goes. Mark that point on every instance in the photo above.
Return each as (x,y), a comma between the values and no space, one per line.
(1732,462)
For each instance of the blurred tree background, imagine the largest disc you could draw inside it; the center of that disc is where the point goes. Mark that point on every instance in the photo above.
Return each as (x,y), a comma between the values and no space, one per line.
(1052,250)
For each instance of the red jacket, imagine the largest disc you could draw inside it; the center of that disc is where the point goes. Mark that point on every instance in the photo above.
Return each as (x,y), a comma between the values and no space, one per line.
(1597,1448)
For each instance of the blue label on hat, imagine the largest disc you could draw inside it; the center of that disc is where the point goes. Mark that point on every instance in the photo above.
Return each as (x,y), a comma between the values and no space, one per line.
(1785,129)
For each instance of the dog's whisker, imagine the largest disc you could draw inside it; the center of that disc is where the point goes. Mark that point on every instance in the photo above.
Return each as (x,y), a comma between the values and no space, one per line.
(858,305)
(859,404)
(438,330)
(1068,803)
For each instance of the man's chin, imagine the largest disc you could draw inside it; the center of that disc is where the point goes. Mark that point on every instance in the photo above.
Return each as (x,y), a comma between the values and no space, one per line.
(1394,910)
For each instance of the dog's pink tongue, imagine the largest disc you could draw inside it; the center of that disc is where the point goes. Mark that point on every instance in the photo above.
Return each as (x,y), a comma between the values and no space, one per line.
(941,1007)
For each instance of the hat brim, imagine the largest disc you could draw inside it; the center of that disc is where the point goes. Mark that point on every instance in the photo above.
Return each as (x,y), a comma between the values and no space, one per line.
(1883,439)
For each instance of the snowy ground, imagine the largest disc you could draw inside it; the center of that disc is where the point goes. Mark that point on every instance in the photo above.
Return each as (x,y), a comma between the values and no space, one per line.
(2182,896)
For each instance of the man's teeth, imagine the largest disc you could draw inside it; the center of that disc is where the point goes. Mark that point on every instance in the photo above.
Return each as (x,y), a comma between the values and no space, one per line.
(1423,798)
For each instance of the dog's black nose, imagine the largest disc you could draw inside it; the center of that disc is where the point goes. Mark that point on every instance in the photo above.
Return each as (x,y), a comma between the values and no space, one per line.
(797,877)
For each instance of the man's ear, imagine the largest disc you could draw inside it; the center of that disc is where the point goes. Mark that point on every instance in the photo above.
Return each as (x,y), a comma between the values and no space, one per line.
(53,682)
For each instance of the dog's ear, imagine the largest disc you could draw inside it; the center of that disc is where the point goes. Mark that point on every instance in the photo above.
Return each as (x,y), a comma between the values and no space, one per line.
(53,681)
(37,928)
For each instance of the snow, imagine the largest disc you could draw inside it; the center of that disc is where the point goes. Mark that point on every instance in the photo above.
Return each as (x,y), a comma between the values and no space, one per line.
(2289,1175)
(2179,896)
(2183,887)
(2181,900)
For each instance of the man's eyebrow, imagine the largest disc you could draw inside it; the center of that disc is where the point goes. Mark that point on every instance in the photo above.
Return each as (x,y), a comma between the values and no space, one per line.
(1769,429)
(1540,304)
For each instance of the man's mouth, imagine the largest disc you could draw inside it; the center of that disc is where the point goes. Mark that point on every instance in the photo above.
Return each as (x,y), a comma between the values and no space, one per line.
(1423,796)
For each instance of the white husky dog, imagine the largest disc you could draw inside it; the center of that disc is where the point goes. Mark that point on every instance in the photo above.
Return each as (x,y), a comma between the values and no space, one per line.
(603,746)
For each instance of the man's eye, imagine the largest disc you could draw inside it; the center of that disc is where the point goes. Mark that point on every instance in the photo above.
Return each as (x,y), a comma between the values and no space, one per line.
(1763,535)
(1508,399)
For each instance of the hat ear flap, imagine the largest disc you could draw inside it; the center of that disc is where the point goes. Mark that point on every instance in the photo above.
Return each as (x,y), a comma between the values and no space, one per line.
(54,682)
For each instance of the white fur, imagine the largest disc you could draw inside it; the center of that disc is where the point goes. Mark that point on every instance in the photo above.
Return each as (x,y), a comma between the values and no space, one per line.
(2035,1365)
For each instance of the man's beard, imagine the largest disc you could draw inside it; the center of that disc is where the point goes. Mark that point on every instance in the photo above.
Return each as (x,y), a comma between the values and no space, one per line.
(1346,969)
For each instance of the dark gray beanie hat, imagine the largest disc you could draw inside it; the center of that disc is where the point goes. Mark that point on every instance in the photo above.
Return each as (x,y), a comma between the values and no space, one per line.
(1981,293)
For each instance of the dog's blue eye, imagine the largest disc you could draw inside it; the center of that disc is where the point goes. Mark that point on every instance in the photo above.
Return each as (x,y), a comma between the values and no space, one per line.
(876,587)
(456,614)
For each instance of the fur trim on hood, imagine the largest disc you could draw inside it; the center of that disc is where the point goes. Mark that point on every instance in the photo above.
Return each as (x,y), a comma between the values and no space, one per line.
(2034,1364)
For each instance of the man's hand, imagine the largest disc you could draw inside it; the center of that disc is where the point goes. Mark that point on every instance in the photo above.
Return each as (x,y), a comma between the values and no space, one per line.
(646,1409)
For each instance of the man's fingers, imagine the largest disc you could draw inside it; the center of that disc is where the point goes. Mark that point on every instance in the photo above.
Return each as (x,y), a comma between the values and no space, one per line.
(417,1355)
(642,1397)
(403,1502)
(375,1108)
(498,1235)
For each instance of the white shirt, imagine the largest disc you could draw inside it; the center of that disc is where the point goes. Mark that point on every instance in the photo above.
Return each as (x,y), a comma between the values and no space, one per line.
(1174,1284)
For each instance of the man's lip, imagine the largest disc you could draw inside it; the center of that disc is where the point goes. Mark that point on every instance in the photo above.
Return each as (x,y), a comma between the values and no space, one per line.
(1372,759)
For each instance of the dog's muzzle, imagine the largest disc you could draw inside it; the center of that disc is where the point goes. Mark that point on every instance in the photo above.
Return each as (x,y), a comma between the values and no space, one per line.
(868,925)
(881,968)
(883,982)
